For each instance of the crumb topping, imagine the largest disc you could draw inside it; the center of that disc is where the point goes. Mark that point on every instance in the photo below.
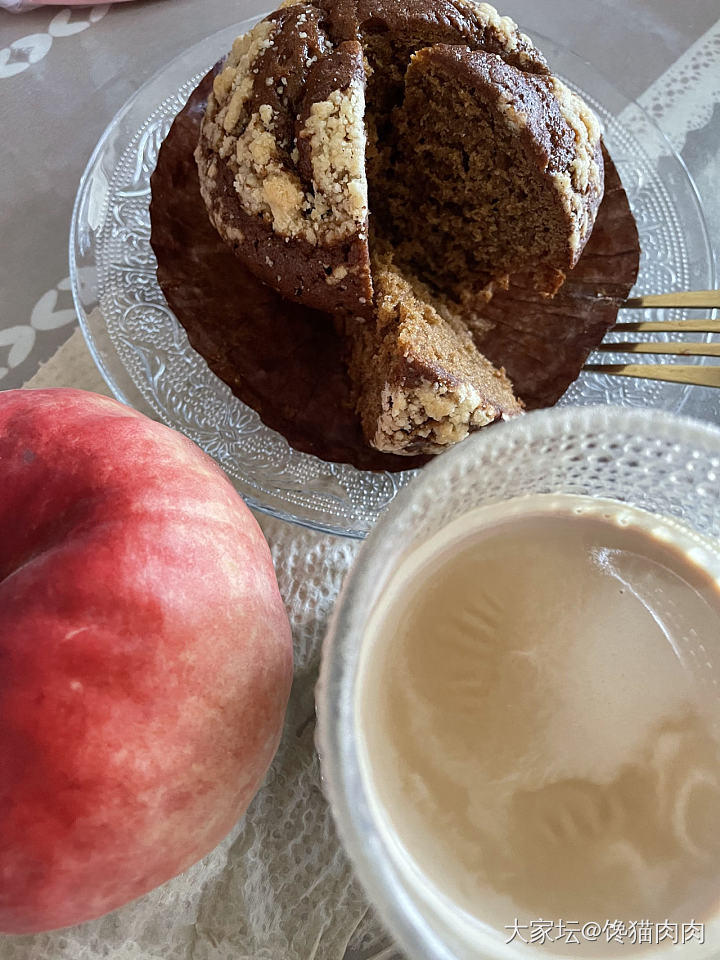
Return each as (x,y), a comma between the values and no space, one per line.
(584,177)
(336,131)
(422,418)
(233,87)
(506,29)
(334,204)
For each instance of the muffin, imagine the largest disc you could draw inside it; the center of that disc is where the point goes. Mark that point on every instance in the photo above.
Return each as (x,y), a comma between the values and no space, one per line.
(382,161)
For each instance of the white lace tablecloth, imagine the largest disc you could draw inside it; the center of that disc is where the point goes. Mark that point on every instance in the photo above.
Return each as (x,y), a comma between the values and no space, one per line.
(279,887)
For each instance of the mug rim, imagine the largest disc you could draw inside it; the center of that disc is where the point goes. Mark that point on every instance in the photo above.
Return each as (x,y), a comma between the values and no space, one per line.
(343,781)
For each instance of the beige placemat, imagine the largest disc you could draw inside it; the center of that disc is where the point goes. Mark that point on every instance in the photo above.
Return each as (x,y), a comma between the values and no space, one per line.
(70,366)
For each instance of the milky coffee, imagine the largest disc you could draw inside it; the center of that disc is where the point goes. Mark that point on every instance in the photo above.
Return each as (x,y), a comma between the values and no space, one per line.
(538,708)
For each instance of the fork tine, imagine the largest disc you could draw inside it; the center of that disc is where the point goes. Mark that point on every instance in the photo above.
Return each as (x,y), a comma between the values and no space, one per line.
(670,326)
(675,349)
(700,376)
(694,299)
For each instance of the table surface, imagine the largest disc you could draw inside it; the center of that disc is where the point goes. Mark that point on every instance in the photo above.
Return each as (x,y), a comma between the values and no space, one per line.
(64,73)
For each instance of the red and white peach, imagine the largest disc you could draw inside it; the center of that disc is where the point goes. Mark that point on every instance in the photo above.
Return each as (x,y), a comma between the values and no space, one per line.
(145,656)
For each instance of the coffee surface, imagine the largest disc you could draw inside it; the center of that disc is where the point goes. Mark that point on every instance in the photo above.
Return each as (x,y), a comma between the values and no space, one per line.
(538,710)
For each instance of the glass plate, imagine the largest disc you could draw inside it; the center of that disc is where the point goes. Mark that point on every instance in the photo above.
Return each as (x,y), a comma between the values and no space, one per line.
(144,355)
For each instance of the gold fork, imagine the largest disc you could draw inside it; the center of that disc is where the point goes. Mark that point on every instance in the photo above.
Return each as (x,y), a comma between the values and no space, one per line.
(703,376)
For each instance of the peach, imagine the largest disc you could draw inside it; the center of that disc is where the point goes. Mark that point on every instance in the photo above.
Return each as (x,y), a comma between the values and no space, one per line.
(145,656)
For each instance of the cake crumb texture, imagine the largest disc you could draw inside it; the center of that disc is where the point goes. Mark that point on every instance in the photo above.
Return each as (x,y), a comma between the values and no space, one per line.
(420,383)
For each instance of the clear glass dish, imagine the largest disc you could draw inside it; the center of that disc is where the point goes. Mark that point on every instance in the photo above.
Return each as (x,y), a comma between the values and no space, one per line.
(145,357)
(666,465)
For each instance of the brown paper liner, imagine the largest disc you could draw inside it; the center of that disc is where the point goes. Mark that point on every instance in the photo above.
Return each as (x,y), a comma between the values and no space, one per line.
(285,361)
